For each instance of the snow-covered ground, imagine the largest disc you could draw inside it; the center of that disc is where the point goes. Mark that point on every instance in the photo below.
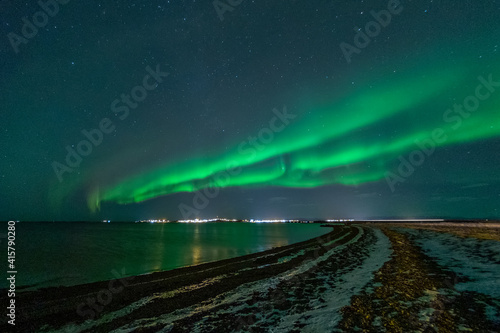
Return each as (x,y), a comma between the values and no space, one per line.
(318,310)
(476,262)
(339,288)
(324,284)
(318,279)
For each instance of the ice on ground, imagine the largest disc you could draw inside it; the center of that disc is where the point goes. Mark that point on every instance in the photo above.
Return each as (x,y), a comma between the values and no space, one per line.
(348,282)
(475,261)
(236,300)
(326,289)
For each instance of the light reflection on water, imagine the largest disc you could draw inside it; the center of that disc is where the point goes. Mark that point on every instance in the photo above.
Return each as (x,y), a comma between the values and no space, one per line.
(196,255)
(52,254)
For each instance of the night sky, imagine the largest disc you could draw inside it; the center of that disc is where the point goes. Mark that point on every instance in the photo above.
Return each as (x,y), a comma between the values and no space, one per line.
(253,109)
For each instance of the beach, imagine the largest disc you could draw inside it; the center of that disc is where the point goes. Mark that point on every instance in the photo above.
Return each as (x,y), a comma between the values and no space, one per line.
(368,277)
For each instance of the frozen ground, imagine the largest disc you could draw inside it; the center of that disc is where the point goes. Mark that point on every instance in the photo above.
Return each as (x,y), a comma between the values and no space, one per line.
(308,297)
(371,278)
(475,262)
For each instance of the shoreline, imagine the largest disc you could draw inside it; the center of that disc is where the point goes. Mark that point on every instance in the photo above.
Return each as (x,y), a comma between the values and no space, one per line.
(52,259)
(346,277)
(64,301)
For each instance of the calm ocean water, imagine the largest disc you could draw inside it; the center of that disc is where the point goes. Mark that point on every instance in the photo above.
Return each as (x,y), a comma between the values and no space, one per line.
(53,254)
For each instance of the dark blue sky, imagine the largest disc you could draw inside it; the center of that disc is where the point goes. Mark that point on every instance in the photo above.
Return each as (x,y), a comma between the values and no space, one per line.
(133,110)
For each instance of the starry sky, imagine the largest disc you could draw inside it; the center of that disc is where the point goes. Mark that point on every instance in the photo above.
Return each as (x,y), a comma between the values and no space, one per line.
(249,109)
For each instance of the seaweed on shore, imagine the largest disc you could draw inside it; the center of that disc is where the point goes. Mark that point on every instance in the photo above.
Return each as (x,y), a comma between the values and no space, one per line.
(412,293)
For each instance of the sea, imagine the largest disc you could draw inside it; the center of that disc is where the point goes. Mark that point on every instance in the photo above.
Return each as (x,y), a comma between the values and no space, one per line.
(51,254)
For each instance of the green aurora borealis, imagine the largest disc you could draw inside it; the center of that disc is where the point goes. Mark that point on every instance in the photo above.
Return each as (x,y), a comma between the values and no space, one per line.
(312,153)
(217,125)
